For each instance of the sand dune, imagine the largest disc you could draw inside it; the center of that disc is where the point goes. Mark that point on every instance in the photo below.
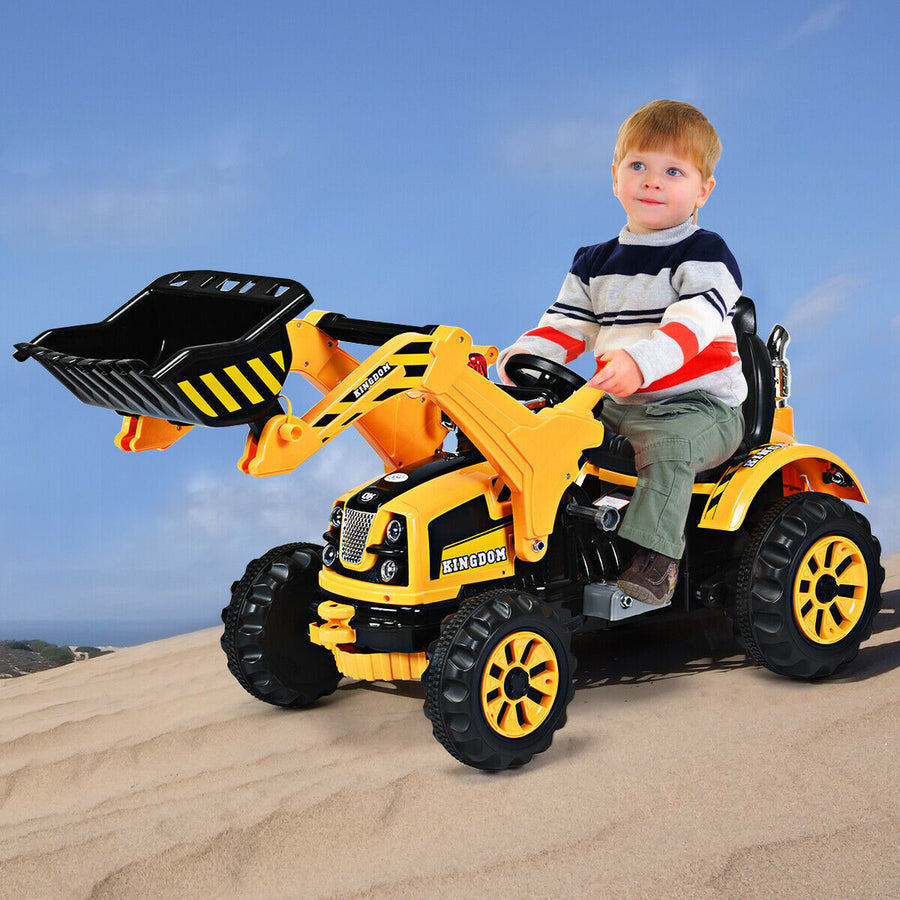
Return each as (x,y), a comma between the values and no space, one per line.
(682,772)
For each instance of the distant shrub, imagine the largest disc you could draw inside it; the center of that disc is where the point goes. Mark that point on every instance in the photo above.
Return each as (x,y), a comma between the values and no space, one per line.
(59,656)
(90,651)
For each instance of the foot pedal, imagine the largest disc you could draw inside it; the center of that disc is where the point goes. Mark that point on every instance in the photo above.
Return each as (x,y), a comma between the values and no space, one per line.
(604,600)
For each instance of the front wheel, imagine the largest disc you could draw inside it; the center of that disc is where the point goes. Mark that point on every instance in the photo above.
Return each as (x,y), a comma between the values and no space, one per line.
(266,637)
(499,680)
(809,586)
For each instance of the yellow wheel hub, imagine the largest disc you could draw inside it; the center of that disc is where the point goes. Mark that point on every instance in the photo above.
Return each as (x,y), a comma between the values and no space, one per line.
(830,590)
(520,683)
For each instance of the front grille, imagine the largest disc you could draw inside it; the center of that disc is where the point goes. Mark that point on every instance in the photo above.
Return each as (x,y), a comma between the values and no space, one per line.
(355,535)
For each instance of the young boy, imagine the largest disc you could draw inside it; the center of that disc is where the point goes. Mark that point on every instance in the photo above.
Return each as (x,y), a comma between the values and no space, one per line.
(655,306)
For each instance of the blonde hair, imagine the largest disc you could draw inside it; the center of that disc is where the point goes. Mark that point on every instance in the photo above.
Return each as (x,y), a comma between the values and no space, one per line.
(671,123)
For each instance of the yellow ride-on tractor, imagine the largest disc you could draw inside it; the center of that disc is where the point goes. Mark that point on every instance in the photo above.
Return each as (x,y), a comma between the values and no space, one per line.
(469,568)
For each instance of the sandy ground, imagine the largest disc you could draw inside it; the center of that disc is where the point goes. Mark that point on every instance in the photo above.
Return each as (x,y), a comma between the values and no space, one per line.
(682,772)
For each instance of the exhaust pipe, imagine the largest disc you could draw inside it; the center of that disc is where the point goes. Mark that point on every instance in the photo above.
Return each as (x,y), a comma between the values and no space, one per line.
(777,347)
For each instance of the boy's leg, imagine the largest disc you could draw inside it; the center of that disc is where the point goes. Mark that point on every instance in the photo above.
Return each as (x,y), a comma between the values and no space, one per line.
(672,442)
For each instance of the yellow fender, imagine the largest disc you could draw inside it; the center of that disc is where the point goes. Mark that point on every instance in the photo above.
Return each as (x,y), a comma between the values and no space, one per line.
(806,468)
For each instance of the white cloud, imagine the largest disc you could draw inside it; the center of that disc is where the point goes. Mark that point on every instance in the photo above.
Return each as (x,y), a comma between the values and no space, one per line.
(564,147)
(130,197)
(175,559)
(236,511)
(819,21)
(116,213)
(824,303)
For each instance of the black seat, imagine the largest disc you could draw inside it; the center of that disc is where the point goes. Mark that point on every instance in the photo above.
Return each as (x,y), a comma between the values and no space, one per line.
(617,454)
(759,407)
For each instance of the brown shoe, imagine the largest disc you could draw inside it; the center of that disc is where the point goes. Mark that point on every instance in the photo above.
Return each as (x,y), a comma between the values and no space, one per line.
(650,578)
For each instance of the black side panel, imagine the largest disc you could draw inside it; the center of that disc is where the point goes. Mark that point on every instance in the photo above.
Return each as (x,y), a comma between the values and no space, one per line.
(466,521)
(392,485)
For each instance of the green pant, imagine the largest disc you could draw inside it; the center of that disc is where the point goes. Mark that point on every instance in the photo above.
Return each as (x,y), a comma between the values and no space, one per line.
(672,442)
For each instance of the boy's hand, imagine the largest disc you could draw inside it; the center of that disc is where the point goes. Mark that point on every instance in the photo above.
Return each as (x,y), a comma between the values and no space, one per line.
(501,371)
(621,375)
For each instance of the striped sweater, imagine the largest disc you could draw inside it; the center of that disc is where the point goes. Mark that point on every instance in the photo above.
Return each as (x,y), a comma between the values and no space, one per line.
(666,297)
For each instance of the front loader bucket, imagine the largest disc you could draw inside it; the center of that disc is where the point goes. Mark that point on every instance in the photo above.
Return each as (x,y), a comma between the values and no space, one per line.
(195,348)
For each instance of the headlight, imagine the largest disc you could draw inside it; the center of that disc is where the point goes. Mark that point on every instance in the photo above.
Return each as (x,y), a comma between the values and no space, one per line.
(394,533)
(388,570)
(337,516)
(329,555)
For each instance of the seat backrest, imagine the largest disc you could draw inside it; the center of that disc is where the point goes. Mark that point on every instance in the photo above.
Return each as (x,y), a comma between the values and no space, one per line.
(759,407)
(616,453)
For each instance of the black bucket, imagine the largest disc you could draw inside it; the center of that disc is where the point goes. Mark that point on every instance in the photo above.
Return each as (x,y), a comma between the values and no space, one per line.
(195,348)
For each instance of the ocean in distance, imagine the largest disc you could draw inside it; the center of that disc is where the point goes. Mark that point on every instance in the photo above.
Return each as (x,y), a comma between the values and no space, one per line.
(100,632)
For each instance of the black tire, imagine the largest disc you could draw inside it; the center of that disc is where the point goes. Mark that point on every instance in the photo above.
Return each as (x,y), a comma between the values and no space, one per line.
(266,637)
(486,708)
(809,586)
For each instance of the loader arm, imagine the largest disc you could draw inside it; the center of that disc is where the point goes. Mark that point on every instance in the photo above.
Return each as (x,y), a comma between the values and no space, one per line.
(395,396)
(403,431)
(373,395)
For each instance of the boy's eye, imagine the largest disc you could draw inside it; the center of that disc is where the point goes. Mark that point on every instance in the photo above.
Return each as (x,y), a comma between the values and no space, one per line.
(638,167)
(673,171)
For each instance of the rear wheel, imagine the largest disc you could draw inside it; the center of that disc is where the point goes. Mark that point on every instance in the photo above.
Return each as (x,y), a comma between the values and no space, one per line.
(499,680)
(266,636)
(809,586)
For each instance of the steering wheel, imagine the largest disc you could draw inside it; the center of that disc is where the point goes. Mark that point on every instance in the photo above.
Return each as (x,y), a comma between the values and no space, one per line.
(530,371)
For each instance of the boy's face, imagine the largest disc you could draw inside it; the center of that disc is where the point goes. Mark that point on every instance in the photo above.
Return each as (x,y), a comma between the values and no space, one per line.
(658,189)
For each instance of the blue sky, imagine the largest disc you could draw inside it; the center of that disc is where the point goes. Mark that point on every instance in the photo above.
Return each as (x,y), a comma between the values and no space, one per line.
(412,162)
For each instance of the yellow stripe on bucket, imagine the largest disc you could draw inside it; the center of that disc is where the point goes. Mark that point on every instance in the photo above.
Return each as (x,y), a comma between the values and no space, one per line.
(252,394)
(192,395)
(216,387)
(270,381)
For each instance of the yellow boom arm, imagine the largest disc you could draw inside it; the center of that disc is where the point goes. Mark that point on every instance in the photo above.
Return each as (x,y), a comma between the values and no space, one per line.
(395,399)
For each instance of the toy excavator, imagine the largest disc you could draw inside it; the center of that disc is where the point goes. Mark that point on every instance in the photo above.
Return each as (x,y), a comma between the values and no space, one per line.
(470,569)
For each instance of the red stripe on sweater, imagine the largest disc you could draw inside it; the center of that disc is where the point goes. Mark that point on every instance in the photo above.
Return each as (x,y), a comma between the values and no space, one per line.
(717,356)
(573,347)
(684,337)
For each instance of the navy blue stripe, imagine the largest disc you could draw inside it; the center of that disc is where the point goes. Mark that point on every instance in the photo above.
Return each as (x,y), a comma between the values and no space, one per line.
(624,313)
(622,317)
(565,307)
(613,258)
(615,320)
(571,312)
(608,319)
(569,308)
(720,300)
(713,298)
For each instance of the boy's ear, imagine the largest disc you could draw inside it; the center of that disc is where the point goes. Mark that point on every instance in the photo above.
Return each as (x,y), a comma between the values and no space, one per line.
(615,182)
(705,190)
